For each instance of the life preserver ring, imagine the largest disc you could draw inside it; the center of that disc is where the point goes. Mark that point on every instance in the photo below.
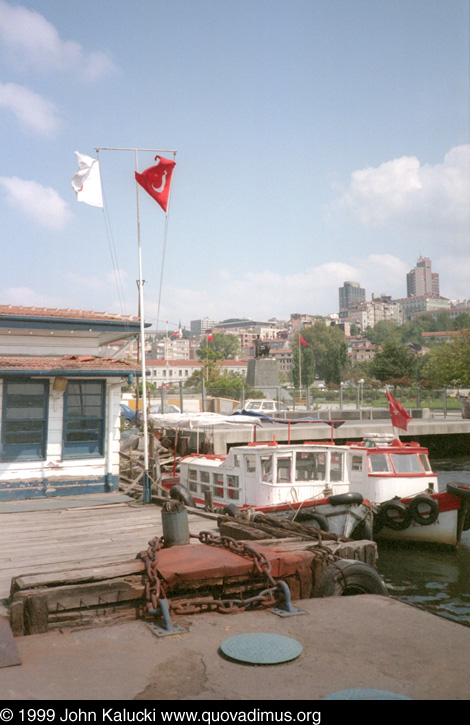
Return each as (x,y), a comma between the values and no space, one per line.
(395,515)
(181,493)
(430,513)
(351,497)
(460,491)
(231,510)
(309,518)
(347,577)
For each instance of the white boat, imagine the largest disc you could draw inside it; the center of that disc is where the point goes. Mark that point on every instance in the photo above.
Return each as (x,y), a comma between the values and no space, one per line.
(338,488)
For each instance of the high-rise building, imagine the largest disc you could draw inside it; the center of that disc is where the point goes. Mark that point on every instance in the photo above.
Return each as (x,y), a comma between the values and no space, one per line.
(351,293)
(422,280)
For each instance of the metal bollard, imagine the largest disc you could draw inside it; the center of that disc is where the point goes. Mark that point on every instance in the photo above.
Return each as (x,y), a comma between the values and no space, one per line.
(175,524)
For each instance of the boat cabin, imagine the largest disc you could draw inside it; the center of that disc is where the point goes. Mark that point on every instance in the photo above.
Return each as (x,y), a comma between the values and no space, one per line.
(265,475)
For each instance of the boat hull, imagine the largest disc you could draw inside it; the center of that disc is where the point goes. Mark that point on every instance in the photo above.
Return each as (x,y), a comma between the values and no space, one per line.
(445,530)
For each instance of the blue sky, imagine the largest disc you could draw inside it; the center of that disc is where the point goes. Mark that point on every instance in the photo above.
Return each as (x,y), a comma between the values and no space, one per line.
(317,141)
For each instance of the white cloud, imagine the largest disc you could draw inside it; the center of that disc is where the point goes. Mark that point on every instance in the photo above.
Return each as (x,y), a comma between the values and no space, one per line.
(421,199)
(42,204)
(28,297)
(32,110)
(269,294)
(31,41)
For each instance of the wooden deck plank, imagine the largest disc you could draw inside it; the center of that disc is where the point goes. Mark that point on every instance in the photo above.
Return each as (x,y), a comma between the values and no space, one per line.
(45,540)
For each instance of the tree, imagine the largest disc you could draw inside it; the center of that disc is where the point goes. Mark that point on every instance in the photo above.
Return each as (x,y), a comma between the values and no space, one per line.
(394,360)
(221,347)
(449,363)
(325,355)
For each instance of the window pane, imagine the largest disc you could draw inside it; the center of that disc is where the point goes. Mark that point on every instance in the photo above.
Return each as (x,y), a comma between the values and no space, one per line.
(84,419)
(24,428)
(406,464)
(379,463)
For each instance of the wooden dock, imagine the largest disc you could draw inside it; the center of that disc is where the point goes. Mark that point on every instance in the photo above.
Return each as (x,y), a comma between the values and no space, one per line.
(75,561)
(77,531)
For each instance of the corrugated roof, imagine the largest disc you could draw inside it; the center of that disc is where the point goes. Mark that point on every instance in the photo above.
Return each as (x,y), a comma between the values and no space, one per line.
(64,313)
(65,362)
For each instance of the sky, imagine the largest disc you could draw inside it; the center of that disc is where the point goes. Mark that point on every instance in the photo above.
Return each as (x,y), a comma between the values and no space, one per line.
(317,142)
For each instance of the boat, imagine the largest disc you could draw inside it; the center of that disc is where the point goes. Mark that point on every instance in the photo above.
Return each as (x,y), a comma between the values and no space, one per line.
(379,488)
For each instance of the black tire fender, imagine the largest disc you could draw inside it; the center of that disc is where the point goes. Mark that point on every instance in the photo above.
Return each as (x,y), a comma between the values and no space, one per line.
(181,493)
(347,577)
(402,518)
(425,518)
(351,497)
(308,517)
(460,491)
(231,510)
(364,530)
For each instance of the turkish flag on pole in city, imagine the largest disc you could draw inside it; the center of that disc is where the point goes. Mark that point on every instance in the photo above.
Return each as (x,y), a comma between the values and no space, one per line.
(304,342)
(157,180)
(398,414)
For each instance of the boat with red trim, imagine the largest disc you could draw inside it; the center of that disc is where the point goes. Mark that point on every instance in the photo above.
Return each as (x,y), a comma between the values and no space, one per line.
(379,488)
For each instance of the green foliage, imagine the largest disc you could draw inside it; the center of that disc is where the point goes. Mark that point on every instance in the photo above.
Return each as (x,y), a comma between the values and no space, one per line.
(449,363)
(221,347)
(325,355)
(221,383)
(394,360)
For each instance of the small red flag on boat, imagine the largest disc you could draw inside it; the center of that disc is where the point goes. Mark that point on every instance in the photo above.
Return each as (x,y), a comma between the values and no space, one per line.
(209,338)
(157,180)
(398,414)
(304,342)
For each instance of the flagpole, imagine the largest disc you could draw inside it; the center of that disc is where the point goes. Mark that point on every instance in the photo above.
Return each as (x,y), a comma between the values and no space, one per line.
(300,370)
(147,489)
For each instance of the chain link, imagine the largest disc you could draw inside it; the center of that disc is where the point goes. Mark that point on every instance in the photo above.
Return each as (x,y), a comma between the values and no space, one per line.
(154,590)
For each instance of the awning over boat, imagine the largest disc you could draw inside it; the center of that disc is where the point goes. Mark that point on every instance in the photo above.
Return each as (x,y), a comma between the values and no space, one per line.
(288,421)
(197,420)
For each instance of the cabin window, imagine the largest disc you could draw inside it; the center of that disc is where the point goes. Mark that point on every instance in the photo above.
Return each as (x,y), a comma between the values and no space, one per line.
(406,464)
(379,463)
(192,474)
(310,466)
(267,469)
(336,467)
(250,464)
(218,480)
(233,487)
(236,461)
(304,466)
(425,462)
(84,419)
(284,468)
(204,476)
(356,463)
(24,421)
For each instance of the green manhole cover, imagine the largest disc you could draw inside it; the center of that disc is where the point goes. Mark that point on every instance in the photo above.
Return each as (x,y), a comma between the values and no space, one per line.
(261,649)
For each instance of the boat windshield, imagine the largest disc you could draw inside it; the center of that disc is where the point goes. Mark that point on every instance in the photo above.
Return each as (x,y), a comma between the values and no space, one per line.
(379,463)
(406,463)
(310,466)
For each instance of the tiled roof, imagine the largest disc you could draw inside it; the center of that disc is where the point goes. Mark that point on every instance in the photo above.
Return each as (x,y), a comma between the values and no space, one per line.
(67,313)
(65,362)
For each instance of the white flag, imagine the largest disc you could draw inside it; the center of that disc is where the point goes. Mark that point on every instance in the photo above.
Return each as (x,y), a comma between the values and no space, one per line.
(87,181)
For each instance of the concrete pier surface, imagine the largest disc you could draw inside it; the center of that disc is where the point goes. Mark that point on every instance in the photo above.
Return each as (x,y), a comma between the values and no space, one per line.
(357,642)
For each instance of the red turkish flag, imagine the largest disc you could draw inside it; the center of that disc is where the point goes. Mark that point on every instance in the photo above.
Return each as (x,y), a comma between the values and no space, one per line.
(398,414)
(157,180)
(304,342)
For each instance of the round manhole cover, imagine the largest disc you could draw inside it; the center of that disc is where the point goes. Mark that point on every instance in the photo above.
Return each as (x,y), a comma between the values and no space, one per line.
(261,648)
(365,695)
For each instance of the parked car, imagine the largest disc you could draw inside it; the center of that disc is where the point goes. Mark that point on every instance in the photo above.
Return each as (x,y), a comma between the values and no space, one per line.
(261,406)
(131,417)
(158,409)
